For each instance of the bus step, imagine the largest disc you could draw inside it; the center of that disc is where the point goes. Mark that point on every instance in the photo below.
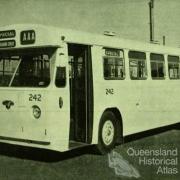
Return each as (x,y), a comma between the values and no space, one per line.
(75,144)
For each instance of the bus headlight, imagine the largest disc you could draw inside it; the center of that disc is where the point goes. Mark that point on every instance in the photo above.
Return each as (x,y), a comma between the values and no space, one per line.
(36,111)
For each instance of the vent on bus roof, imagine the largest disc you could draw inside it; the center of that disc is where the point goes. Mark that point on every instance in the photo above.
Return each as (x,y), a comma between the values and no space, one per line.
(109,33)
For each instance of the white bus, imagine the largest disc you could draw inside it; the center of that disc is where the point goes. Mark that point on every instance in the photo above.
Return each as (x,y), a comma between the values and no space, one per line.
(61,89)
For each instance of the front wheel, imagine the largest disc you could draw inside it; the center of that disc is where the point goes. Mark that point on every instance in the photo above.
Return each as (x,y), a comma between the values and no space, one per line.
(107,132)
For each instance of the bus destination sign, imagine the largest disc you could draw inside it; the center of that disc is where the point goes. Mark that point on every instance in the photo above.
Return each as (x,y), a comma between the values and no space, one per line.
(7,44)
(112,52)
(7,34)
(27,37)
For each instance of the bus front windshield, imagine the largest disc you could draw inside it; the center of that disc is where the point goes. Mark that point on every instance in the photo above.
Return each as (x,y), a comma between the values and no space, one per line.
(25,68)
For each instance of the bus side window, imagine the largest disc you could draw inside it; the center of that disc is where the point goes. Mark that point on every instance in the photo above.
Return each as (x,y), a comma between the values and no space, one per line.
(60,77)
(157,66)
(137,65)
(173,67)
(113,64)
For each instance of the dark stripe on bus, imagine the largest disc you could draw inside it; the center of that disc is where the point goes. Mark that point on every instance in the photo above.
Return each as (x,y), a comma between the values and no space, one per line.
(25,140)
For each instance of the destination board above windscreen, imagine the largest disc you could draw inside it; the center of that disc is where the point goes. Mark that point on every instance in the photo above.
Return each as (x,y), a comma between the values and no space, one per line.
(10,38)
(7,34)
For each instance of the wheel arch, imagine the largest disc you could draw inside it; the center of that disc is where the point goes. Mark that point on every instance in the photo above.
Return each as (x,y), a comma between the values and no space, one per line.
(118,115)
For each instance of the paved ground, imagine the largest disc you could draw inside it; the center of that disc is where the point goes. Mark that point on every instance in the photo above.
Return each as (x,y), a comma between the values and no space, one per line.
(17,163)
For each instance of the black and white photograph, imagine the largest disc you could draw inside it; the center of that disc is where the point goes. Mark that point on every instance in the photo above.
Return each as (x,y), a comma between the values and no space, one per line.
(89,89)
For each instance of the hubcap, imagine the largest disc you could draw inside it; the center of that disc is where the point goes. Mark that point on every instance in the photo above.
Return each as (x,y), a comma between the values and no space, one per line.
(108,132)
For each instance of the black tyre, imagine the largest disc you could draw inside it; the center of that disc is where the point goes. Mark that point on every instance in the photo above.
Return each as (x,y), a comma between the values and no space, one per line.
(177,126)
(107,132)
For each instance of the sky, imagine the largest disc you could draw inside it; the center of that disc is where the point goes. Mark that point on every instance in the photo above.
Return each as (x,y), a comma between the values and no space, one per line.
(128,18)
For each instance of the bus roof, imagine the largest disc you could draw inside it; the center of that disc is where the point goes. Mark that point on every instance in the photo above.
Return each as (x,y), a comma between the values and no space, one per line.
(33,35)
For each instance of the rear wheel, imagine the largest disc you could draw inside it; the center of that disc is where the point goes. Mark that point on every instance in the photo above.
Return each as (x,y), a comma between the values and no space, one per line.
(107,132)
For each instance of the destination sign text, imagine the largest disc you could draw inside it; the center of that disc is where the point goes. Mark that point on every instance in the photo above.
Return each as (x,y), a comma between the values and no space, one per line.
(27,37)
(8,43)
(7,34)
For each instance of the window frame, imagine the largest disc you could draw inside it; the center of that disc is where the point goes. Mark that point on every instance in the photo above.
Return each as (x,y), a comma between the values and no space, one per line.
(114,58)
(158,61)
(138,60)
(173,62)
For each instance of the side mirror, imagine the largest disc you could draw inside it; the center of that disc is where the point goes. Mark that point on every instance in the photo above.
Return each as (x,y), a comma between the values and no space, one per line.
(60,77)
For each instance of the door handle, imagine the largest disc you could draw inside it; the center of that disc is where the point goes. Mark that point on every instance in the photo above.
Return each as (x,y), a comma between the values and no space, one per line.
(8,103)
(60,102)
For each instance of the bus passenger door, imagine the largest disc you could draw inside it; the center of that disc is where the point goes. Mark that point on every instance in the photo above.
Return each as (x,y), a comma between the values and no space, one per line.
(81,93)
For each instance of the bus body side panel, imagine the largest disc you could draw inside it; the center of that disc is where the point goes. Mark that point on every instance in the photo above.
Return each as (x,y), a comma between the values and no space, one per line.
(143,104)
(59,119)
(122,98)
(159,103)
